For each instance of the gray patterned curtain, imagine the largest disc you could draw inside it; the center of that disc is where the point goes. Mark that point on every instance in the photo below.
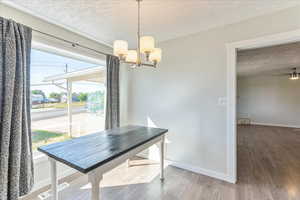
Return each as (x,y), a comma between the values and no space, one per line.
(112,119)
(16,164)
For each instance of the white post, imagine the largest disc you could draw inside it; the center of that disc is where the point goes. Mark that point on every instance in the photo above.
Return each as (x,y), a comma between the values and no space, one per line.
(162,157)
(95,179)
(54,181)
(69,95)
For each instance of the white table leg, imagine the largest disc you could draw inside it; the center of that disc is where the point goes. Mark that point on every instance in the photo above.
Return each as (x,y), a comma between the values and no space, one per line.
(128,162)
(95,179)
(54,181)
(162,157)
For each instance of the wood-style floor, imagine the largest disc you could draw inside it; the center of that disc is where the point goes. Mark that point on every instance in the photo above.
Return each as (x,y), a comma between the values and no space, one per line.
(268,169)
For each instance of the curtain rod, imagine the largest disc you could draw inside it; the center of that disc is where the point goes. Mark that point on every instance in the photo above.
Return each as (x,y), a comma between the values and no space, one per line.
(74,44)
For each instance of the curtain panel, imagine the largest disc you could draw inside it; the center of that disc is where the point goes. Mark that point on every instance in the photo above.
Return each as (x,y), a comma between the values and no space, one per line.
(112,117)
(16,163)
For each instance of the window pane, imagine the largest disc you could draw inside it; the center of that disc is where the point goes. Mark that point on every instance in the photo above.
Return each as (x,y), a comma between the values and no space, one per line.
(53,79)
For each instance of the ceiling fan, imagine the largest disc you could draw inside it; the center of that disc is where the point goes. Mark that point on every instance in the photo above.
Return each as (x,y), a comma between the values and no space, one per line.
(293,75)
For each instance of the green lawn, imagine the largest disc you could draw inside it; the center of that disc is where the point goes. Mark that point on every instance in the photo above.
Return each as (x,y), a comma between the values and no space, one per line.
(43,137)
(40,135)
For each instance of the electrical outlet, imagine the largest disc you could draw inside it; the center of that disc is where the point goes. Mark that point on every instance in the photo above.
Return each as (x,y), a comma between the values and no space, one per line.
(222,101)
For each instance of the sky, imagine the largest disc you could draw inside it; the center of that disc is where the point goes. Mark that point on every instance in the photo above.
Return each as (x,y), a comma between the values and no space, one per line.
(45,64)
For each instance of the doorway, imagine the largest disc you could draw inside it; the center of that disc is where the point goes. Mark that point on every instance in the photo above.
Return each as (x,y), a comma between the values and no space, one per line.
(232,49)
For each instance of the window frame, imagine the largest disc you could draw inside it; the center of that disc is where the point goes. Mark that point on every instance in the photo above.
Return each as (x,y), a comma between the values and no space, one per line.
(39,157)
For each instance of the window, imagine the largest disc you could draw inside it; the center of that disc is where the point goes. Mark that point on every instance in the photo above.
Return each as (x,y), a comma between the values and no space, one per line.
(67,98)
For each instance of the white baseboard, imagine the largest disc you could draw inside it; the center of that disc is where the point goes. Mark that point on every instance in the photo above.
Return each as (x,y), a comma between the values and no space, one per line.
(46,182)
(196,169)
(202,171)
(42,185)
(279,125)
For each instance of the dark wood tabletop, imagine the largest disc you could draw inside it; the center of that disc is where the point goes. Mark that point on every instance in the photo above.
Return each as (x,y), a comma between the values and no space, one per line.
(91,151)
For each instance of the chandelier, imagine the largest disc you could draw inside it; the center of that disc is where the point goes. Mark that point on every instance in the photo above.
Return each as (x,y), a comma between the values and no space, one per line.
(145,50)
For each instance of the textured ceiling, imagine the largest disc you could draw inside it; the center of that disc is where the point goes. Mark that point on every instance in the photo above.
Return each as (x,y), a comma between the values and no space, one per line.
(107,20)
(269,60)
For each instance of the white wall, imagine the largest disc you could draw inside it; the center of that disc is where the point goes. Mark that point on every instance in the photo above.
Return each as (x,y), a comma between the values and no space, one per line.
(269,100)
(182,94)
(42,171)
(41,25)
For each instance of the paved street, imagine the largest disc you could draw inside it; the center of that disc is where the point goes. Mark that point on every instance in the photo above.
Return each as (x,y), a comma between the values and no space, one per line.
(41,114)
(83,123)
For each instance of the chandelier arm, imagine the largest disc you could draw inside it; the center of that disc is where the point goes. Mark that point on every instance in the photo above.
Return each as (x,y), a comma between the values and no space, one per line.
(148,65)
(141,64)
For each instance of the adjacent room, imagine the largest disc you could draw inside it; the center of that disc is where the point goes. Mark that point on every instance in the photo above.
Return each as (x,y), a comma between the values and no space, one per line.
(268,112)
(148,99)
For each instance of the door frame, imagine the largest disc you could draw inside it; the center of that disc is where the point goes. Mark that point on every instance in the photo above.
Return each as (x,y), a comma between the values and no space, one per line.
(231,49)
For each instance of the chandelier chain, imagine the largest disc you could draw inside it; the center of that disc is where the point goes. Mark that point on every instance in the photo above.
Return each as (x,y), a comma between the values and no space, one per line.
(139,33)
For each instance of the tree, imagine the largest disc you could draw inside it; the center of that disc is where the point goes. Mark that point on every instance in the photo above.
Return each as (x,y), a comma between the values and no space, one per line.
(40,92)
(55,95)
(82,96)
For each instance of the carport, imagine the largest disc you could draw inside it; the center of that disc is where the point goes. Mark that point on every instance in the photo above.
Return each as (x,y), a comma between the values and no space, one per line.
(95,74)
